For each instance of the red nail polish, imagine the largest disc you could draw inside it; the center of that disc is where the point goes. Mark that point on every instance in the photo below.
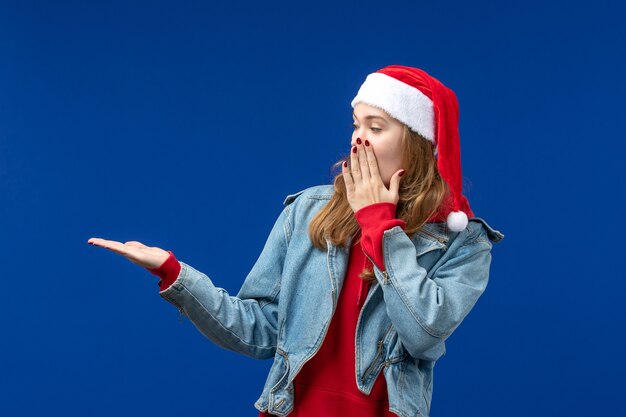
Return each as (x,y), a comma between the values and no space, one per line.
(354,150)
(358,141)
(401,173)
(367,143)
(345,163)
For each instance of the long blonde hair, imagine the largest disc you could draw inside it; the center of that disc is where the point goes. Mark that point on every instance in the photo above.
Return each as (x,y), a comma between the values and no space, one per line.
(421,193)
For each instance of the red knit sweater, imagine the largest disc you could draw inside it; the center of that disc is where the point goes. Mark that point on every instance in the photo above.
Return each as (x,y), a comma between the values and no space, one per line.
(326,384)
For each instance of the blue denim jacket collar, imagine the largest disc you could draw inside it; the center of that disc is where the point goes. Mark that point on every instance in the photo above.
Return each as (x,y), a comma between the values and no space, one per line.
(284,307)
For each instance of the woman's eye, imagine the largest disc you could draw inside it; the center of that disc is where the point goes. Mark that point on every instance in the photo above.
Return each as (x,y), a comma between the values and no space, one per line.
(374,129)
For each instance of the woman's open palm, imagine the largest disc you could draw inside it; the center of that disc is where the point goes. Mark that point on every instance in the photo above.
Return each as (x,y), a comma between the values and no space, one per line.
(136,252)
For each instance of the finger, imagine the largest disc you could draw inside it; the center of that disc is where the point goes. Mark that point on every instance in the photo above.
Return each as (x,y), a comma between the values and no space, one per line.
(117,247)
(355,170)
(96,241)
(372,162)
(394,183)
(136,244)
(365,170)
(347,177)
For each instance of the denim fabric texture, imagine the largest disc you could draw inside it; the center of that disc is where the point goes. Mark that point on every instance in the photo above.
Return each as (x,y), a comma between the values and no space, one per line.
(282,312)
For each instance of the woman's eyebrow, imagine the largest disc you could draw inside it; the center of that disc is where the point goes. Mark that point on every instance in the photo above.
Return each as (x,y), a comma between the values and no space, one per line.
(371,116)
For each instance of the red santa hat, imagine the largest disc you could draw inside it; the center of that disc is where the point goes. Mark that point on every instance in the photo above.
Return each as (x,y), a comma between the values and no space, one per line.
(431,109)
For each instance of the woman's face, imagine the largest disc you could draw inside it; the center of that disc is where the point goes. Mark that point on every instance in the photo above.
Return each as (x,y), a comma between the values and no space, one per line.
(384,134)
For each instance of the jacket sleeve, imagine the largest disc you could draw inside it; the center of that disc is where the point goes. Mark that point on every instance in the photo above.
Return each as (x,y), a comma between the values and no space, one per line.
(425,311)
(248,322)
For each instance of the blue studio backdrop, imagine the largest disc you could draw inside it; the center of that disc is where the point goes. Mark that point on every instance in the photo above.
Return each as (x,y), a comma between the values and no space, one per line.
(183,125)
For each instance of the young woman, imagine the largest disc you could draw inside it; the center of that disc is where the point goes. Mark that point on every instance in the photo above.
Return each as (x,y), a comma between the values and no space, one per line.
(360,282)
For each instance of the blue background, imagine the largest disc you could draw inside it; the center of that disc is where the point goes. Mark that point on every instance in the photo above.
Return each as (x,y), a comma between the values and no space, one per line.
(184,126)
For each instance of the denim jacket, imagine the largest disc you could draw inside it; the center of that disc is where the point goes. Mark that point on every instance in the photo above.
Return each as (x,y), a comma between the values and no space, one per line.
(284,308)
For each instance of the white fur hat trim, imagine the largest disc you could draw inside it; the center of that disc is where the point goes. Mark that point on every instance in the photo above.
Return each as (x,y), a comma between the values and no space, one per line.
(402,101)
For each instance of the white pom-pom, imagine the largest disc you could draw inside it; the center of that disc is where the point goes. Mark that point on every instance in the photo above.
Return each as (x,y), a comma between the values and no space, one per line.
(457,221)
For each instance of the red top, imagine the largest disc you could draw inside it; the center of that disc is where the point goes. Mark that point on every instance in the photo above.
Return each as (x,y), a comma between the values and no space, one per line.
(326,384)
